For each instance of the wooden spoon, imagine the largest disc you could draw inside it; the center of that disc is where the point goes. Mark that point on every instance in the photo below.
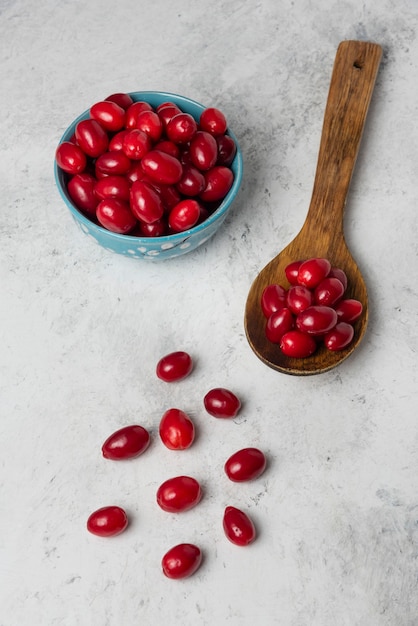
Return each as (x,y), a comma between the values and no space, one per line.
(352,82)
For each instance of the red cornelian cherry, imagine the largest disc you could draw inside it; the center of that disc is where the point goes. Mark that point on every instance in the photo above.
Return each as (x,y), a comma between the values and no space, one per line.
(337,272)
(132,112)
(124,100)
(349,310)
(245,464)
(299,298)
(179,494)
(292,272)
(315,299)
(181,561)
(238,527)
(329,291)
(221,403)
(181,128)
(178,156)
(126,443)
(213,121)
(184,215)
(177,431)
(107,521)
(317,319)
(339,337)
(312,271)
(279,323)
(109,114)
(174,366)
(297,344)
(273,298)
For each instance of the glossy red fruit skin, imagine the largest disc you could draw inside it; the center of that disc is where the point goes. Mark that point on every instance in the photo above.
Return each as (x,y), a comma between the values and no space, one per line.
(112,162)
(181,128)
(192,181)
(317,320)
(218,182)
(339,337)
(126,443)
(222,403)
(213,121)
(133,111)
(246,464)
(164,105)
(135,173)
(312,271)
(145,202)
(166,113)
(181,561)
(116,142)
(109,115)
(156,229)
(227,150)
(107,521)
(299,298)
(124,100)
(112,187)
(291,271)
(203,150)
(162,167)
(91,137)
(136,144)
(81,190)
(337,272)
(174,366)
(115,215)
(329,291)
(177,431)
(184,215)
(297,344)
(165,145)
(238,527)
(150,124)
(273,298)
(179,494)
(169,196)
(349,310)
(70,158)
(279,323)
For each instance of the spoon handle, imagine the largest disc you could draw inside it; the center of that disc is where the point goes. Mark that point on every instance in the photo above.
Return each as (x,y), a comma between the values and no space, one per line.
(352,82)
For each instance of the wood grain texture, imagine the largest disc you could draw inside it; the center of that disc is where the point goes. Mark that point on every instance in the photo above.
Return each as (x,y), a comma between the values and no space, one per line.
(322,235)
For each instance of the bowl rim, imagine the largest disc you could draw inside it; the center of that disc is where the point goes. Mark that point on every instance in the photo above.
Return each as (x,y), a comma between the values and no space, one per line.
(149,241)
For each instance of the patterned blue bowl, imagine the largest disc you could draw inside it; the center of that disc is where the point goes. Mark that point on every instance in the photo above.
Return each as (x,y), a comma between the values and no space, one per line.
(154,248)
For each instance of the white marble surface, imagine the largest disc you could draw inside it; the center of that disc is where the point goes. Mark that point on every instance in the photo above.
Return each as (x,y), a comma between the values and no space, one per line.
(82,329)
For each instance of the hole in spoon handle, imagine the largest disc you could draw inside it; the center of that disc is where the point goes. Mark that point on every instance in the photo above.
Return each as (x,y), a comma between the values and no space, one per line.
(353,77)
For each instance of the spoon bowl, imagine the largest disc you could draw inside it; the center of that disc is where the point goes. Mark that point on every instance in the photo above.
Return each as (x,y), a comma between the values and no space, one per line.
(322,234)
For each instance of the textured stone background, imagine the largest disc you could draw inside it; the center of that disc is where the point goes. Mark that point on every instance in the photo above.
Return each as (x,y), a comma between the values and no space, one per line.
(81,329)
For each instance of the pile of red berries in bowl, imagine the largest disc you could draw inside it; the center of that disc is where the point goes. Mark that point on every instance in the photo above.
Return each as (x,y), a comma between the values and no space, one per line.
(312,310)
(149,174)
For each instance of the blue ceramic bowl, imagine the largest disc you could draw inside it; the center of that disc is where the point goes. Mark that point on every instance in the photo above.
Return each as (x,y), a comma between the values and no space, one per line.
(154,248)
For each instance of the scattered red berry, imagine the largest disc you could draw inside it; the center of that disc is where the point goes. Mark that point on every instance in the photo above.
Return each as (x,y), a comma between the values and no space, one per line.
(221,403)
(126,443)
(238,527)
(245,464)
(181,561)
(177,430)
(107,521)
(179,494)
(174,366)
